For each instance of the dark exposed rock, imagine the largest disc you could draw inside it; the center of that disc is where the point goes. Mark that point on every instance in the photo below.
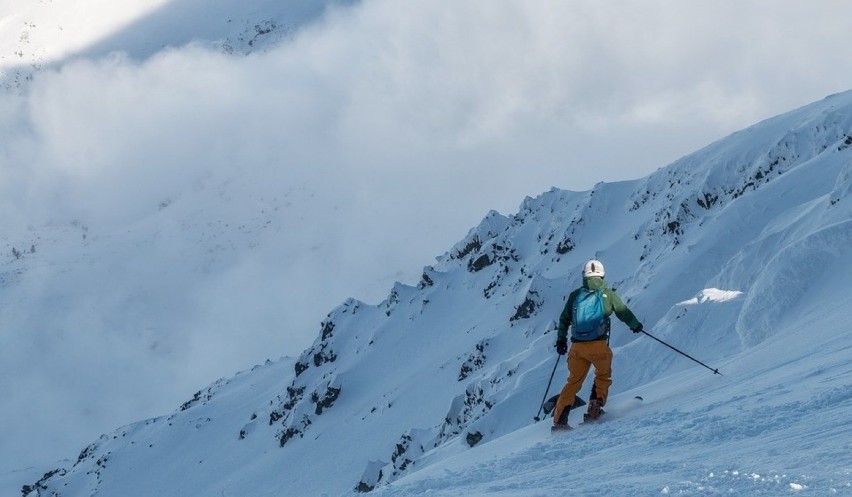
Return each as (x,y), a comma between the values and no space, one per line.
(300,368)
(564,246)
(472,246)
(327,330)
(480,263)
(474,362)
(474,438)
(526,309)
(331,395)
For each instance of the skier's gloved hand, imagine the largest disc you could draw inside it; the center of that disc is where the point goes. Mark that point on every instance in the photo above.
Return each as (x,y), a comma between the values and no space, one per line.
(562,346)
(637,329)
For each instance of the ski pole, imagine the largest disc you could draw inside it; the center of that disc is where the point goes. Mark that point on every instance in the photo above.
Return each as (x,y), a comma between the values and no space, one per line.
(537,419)
(715,371)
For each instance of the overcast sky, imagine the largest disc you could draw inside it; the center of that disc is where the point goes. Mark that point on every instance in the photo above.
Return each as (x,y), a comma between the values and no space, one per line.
(399,125)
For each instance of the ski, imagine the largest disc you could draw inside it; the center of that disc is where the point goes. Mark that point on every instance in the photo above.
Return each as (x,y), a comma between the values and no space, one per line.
(588,420)
(550,404)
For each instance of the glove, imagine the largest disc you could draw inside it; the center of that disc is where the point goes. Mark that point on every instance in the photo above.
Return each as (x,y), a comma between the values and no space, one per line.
(637,329)
(562,346)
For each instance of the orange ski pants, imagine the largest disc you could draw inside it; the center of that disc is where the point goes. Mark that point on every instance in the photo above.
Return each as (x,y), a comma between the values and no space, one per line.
(581,357)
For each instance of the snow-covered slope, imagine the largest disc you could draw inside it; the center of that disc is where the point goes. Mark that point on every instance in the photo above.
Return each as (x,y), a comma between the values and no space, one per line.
(34,35)
(738,254)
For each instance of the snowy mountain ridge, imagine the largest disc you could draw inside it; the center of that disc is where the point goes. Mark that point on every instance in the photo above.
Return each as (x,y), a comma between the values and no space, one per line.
(36,35)
(434,389)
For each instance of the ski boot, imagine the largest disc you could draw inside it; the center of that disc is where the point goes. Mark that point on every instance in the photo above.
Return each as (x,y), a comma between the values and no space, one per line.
(561,424)
(594,412)
(560,427)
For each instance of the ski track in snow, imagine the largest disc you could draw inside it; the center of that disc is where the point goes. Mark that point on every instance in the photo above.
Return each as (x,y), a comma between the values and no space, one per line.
(781,438)
(685,453)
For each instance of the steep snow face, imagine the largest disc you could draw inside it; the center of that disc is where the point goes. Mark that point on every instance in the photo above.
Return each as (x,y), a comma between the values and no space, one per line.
(435,388)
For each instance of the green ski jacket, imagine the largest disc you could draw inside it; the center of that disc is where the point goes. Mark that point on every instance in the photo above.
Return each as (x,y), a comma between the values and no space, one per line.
(612,303)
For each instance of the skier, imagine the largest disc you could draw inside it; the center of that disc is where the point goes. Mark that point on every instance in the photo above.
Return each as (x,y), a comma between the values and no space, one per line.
(588,312)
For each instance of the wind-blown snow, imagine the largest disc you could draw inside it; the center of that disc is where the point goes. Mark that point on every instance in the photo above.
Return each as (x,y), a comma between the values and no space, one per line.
(433,391)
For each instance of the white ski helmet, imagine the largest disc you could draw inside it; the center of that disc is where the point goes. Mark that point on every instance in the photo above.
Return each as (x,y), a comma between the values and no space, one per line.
(594,268)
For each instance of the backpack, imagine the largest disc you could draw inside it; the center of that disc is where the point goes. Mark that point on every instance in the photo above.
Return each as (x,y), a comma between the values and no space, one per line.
(589,321)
